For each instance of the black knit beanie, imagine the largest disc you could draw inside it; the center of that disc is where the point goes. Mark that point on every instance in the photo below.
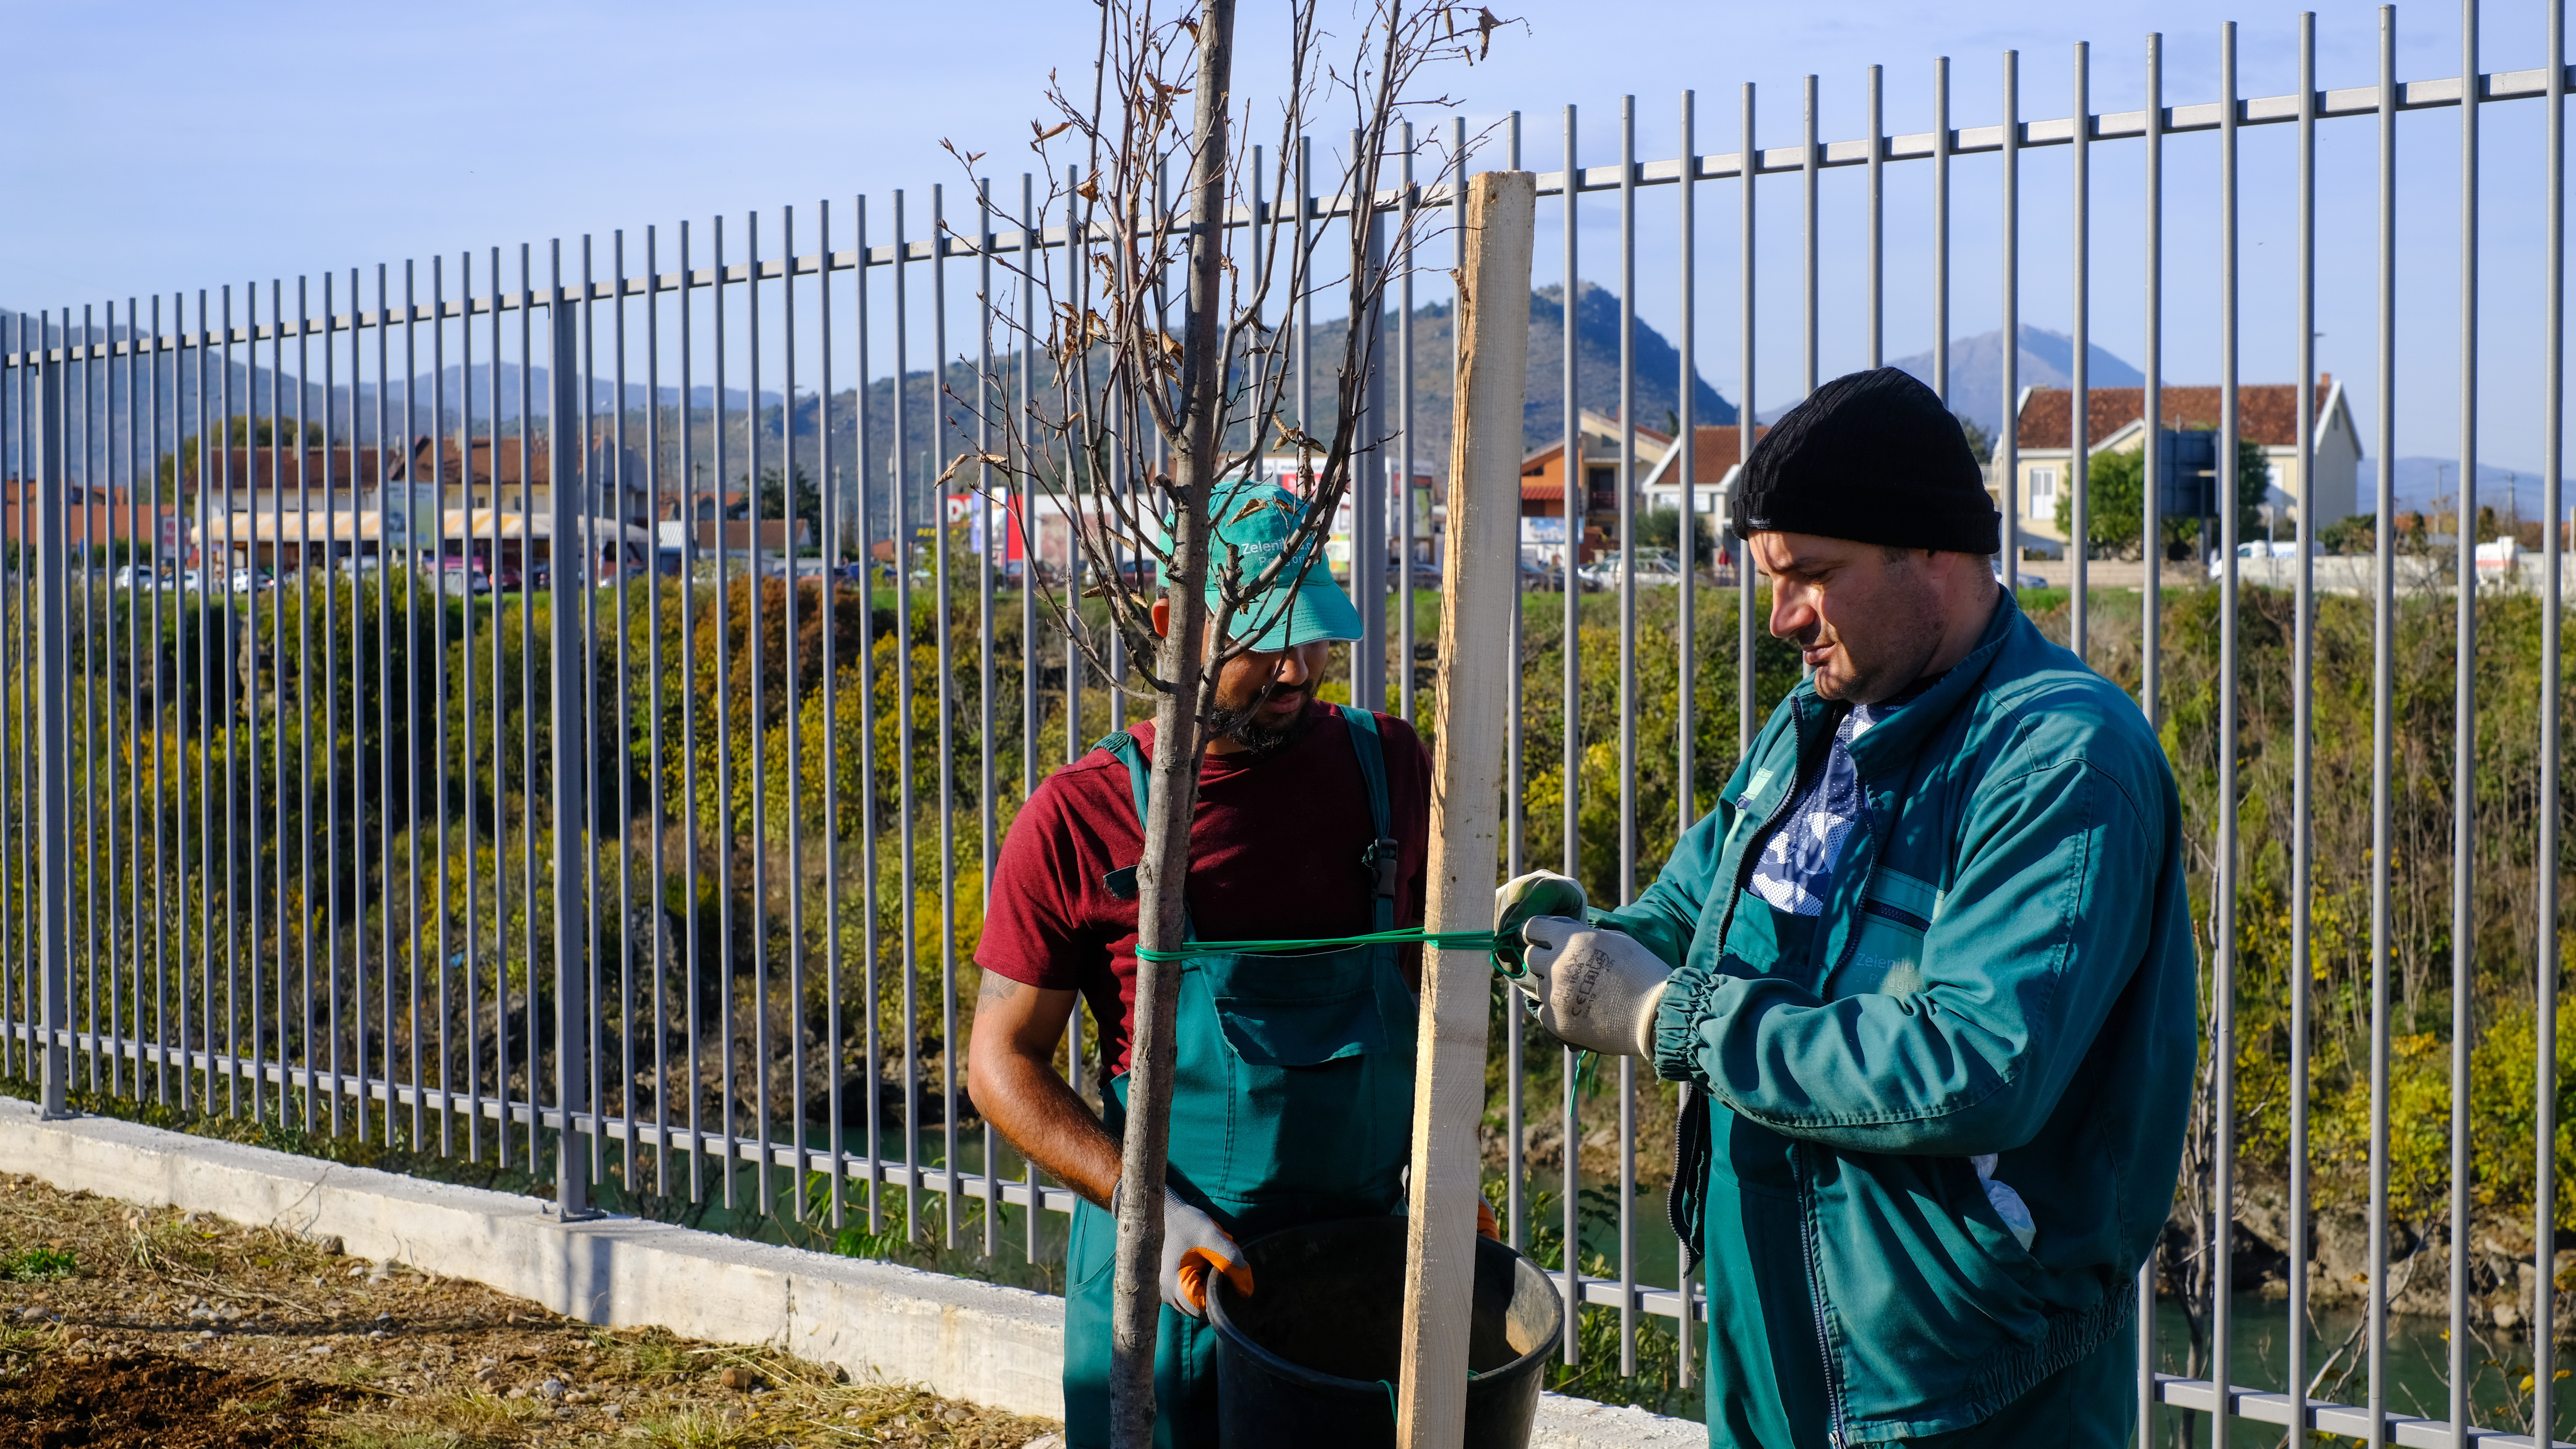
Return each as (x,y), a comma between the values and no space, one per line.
(1872,457)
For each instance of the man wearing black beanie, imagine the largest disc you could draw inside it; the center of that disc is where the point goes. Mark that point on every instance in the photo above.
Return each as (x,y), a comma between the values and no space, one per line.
(1927,970)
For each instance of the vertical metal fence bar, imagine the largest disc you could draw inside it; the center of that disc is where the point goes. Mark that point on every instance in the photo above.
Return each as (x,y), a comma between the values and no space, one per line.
(1685,468)
(987,830)
(593,469)
(462,960)
(2544,1086)
(141,578)
(1569,652)
(1877,217)
(756,721)
(2151,555)
(528,880)
(569,736)
(826,527)
(943,651)
(1024,513)
(165,878)
(1810,154)
(629,1110)
(1405,196)
(298,808)
(2222,905)
(721,721)
(1748,159)
(330,912)
(862,471)
(53,711)
(2302,731)
(2464,731)
(2079,410)
(412,666)
(1943,142)
(1627,699)
(2007,445)
(899,499)
(2383,710)
(693,962)
(84,479)
(2150,594)
(1515,684)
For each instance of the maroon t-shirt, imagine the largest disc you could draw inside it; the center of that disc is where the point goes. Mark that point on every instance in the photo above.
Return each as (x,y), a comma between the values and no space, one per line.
(1275,851)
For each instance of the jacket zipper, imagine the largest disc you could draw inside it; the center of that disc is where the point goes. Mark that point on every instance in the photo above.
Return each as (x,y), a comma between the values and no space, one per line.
(1816,1303)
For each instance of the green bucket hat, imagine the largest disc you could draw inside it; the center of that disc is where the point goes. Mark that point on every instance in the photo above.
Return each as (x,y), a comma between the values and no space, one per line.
(1255,522)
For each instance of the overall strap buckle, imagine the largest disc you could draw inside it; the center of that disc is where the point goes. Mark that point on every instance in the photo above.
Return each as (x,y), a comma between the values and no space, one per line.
(1380,860)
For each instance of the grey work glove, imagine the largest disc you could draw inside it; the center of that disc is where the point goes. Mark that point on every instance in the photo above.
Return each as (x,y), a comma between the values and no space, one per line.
(1193,1246)
(1518,900)
(1594,989)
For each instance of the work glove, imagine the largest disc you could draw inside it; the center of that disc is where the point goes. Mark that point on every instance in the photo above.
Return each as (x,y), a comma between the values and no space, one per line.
(1523,897)
(1594,989)
(1194,1246)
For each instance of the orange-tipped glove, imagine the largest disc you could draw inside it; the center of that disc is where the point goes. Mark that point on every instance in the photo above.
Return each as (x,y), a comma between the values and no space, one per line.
(1193,1247)
(1487,1225)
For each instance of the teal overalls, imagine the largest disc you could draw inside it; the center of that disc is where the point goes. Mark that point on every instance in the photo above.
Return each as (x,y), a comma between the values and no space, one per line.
(1292,1102)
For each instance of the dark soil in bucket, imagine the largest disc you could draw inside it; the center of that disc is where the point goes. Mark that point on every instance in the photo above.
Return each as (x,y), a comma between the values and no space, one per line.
(152,1401)
(1312,1354)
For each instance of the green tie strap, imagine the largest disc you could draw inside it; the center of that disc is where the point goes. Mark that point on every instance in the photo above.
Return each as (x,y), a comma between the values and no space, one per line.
(1438,940)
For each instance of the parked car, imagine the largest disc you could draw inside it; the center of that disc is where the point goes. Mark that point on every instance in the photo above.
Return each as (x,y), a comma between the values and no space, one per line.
(2258,549)
(1426,577)
(2021,580)
(1656,567)
(1541,577)
(250,581)
(462,576)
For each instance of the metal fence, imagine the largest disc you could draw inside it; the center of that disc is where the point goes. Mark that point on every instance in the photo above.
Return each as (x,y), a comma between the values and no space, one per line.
(366,828)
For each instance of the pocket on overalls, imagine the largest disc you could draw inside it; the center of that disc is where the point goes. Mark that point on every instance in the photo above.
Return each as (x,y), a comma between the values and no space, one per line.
(1310,1103)
(1303,1031)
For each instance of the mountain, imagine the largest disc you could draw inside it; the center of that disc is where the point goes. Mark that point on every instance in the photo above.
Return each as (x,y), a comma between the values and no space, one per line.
(2047,360)
(254,389)
(1596,362)
(2432,485)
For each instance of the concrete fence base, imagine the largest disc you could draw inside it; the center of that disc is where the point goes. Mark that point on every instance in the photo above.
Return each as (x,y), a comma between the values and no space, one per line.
(986,1344)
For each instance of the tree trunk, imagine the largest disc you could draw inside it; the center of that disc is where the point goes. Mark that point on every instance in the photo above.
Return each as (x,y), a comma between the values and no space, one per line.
(1160,877)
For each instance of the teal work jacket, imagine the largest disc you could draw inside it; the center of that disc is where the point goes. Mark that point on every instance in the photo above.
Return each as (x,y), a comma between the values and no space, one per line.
(2005,965)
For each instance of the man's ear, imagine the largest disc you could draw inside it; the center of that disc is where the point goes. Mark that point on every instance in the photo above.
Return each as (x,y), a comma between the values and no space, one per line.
(1162,616)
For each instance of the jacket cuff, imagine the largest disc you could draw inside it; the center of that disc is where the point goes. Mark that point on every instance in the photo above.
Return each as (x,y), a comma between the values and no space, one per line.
(1677,1020)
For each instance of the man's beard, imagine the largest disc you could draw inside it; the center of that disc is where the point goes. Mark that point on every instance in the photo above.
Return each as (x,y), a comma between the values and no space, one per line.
(1243,725)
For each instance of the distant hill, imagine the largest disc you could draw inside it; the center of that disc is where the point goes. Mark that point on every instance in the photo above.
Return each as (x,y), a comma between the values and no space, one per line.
(252,388)
(1596,360)
(2047,360)
(2432,485)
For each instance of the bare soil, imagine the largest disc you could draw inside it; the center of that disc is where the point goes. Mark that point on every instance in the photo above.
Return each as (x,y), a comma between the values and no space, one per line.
(122,1328)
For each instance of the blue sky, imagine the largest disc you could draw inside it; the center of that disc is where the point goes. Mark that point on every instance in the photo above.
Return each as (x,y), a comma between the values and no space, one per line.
(167,146)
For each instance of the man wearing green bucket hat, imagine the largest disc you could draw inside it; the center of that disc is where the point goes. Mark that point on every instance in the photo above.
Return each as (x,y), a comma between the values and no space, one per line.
(1292,1091)
(1927,969)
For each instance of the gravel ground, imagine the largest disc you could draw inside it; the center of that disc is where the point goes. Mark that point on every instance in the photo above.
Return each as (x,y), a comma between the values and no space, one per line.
(122,1328)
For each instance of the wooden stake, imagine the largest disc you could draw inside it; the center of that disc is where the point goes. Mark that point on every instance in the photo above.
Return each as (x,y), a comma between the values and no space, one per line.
(1476,589)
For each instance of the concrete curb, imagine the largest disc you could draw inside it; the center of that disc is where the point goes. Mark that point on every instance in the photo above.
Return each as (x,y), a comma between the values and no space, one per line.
(986,1344)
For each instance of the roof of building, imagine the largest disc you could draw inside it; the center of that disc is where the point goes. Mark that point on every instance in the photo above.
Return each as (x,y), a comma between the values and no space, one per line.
(2266,413)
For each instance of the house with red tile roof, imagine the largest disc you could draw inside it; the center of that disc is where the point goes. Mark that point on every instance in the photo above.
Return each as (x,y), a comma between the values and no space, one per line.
(2267,415)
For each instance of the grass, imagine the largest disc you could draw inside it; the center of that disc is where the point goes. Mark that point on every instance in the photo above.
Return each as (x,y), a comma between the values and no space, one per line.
(39,1265)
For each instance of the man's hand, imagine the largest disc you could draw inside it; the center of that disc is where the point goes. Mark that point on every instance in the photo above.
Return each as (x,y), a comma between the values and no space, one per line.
(1520,899)
(1193,1247)
(1593,989)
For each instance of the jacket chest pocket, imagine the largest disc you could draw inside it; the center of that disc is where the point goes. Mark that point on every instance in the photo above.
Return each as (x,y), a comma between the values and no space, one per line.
(1885,954)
